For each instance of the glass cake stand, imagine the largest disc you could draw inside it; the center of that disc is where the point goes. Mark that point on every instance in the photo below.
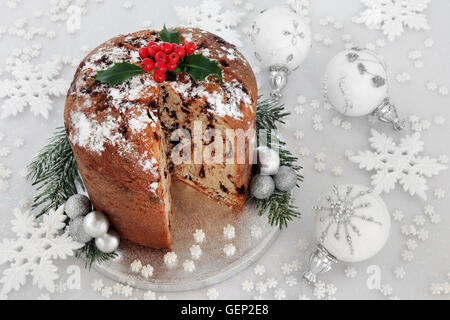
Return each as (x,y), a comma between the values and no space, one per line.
(191,211)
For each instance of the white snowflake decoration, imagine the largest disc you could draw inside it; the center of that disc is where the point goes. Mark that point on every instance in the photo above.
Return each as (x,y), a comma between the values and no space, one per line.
(33,251)
(210,17)
(392,16)
(398,163)
(33,85)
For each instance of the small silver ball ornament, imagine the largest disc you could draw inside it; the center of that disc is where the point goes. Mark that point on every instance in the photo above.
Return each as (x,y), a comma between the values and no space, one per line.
(77,205)
(285,179)
(268,160)
(96,224)
(109,242)
(76,230)
(262,186)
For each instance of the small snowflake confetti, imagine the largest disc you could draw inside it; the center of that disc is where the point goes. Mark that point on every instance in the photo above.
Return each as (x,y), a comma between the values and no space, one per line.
(319,166)
(386,289)
(271,283)
(261,287)
(149,295)
(247,286)
(304,152)
(196,251)
(337,171)
(229,232)
(128,5)
(286,268)
(147,271)
(136,266)
(97,285)
(107,292)
(259,270)
(298,134)
(188,265)
(127,291)
(255,231)
(407,255)
(279,294)
(212,294)
(419,220)
(399,272)
(199,236)
(350,272)
(291,281)
(439,193)
(411,244)
(170,259)
(229,249)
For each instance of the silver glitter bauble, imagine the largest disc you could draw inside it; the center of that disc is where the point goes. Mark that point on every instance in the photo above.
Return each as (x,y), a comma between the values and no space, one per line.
(77,205)
(109,242)
(268,161)
(76,230)
(352,225)
(262,186)
(285,179)
(96,224)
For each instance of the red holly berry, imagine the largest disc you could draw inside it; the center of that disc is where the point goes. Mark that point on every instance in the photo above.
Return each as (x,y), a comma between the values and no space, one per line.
(181,51)
(159,76)
(148,64)
(160,56)
(151,43)
(172,66)
(167,47)
(173,58)
(160,66)
(143,52)
(174,46)
(190,48)
(153,50)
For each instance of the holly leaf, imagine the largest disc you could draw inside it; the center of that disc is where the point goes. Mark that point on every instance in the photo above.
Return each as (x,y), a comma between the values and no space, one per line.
(171,36)
(199,67)
(118,73)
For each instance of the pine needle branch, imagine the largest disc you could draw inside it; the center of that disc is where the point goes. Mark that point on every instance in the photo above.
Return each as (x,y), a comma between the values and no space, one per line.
(279,205)
(54,172)
(91,254)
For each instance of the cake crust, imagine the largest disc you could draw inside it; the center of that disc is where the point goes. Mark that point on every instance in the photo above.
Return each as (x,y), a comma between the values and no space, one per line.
(117,135)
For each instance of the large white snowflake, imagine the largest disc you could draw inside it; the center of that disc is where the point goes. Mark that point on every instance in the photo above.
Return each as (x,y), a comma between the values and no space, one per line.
(398,163)
(392,16)
(210,17)
(32,86)
(33,251)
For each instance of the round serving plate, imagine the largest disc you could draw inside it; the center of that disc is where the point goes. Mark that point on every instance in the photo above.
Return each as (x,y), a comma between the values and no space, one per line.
(192,211)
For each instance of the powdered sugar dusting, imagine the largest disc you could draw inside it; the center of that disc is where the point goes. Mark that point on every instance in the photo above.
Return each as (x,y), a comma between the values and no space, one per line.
(91,134)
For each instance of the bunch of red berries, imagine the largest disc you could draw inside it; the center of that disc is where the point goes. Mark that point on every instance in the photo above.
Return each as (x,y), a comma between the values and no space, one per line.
(163,56)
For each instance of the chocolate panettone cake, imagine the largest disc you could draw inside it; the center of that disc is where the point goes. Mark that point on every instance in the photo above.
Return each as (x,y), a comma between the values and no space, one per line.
(121,134)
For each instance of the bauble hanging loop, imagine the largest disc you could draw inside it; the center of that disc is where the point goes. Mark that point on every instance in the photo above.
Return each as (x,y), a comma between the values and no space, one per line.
(356,84)
(352,225)
(281,40)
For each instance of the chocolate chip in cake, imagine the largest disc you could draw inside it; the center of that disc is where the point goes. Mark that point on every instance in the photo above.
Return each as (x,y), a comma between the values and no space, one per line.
(201,174)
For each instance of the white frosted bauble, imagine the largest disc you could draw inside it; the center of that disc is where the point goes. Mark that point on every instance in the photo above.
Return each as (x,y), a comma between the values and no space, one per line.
(95,224)
(268,161)
(356,82)
(109,242)
(280,37)
(352,223)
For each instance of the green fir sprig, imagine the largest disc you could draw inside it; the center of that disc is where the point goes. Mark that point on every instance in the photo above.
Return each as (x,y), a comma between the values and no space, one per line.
(55,173)
(91,254)
(279,206)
